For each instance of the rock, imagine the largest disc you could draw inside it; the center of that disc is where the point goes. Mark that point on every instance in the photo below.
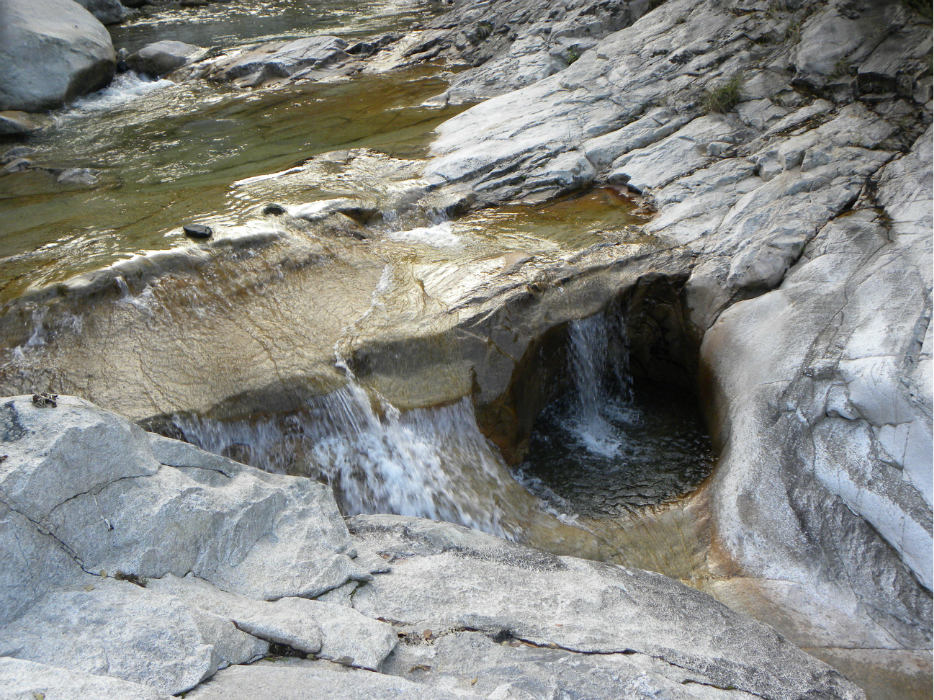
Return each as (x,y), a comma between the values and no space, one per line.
(327,630)
(258,64)
(248,532)
(473,661)
(79,176)
(126,632)
(17,166)
(106,11)
(53,51)
(15,153)
(273,210)
(26,680)
(197,231)
(448,578)
(292,679)
(163,57)
(16,124)
(850,406)
(322,209)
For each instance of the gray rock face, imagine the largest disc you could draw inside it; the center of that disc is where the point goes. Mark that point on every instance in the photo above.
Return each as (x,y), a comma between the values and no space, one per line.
(244,530)
(754,193)
(106,11)
(25,680)
(310,680)
(511,43)
(52,51)
(163,57)
(447,578)
(256,65)
(98,634)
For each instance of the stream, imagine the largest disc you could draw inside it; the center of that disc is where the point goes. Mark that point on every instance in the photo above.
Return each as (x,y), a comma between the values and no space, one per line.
(258,166)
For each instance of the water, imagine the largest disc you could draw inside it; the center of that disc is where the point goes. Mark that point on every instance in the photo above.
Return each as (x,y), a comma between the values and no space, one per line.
(610,446)
(233,21)
(429,463)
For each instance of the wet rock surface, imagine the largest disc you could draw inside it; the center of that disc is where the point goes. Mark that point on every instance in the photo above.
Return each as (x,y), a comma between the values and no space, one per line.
(163,57)
(791,236)
(86,631)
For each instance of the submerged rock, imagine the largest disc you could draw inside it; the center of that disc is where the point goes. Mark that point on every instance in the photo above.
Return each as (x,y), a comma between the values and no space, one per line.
(17,124)
(52,51)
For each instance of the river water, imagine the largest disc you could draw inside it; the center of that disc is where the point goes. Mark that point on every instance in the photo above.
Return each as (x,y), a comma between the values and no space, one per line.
(197,152)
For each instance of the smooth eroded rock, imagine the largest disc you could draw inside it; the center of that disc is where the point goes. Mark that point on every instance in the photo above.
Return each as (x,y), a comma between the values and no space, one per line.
(52,52)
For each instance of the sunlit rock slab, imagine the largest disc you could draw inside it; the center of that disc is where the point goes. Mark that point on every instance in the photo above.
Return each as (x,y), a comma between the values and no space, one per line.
(448,578)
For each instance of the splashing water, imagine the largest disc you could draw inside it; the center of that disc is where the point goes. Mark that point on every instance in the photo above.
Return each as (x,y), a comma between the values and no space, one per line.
(431,463)
(603,448)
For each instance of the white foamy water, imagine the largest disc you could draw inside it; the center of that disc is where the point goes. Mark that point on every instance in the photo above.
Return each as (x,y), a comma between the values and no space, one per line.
(430,463)
(438,236)
(125,88)
(591,420)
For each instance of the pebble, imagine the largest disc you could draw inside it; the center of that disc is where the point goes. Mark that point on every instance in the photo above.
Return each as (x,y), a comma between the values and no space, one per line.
(197,231)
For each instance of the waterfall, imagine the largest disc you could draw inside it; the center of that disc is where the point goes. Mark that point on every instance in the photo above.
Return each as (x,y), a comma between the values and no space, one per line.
(432,463)
(599,367)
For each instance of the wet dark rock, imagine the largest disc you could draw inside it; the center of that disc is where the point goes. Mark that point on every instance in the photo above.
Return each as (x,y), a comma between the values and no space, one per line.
(79,176)
(163,57)
(17,165)
(16,152)
(106,11)
(273,210)
(17,124)
(52,51)
(197,231)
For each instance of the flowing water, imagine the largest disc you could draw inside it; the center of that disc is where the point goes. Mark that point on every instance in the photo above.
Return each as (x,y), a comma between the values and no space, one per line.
(196,152)
(609,447)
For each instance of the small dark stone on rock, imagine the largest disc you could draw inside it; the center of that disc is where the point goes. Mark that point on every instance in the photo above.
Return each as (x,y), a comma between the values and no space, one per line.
(197,231)
(45,400)
(273,210)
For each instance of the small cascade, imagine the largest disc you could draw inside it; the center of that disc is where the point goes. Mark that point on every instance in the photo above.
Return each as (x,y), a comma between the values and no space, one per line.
(601,381)
(432,463)
(605,448)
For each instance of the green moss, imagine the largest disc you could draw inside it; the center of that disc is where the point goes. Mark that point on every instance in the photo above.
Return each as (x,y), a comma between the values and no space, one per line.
(724,97)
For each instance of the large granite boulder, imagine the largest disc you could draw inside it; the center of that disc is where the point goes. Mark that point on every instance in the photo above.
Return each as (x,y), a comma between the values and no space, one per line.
(52,51)
(163,57)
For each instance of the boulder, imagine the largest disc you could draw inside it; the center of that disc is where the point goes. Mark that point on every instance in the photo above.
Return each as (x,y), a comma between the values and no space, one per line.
(163,57)
(17,124)
(107,11)
(52,51)
(255,65)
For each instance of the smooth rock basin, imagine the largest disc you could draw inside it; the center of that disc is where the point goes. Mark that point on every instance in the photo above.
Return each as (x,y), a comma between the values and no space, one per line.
(610,329)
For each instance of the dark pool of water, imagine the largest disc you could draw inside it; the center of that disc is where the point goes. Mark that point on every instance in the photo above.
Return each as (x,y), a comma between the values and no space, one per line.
(611,445)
